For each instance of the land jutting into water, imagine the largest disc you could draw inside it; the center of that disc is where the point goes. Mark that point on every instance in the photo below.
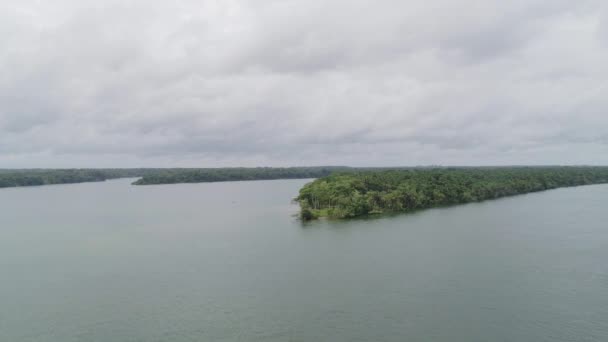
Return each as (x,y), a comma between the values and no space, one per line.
(149,176)
(156,176)
(355,194)
(345,192)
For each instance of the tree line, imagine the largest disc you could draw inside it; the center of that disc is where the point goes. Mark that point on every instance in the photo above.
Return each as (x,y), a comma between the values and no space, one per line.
(32,177)
(360,193)
(172,176)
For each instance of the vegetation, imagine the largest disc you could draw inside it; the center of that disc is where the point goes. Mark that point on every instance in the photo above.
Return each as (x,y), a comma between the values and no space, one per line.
(171,176)
(342,192)
(29,177)
(344,195)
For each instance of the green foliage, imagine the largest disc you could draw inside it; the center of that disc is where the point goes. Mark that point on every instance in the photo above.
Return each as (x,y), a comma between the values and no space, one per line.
(28,177)
(171,176)
(306,213)
(369,191)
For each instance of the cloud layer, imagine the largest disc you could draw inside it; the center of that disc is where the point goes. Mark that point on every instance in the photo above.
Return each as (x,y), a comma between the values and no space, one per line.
(294,82)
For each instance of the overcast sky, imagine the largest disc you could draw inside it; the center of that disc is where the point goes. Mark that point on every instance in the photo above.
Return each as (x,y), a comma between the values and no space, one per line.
(303,82)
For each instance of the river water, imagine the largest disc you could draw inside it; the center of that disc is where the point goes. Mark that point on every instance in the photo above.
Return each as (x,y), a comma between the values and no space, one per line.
(229,262)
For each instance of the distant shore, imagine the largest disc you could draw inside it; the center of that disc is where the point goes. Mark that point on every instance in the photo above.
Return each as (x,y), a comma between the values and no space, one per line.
(37,177)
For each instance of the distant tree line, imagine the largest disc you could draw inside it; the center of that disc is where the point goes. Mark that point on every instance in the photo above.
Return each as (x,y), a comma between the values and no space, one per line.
(171,176)
(360,193)
(31,177)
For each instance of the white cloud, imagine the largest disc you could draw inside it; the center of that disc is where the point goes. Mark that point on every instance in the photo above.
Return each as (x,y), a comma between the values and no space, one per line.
(213,83)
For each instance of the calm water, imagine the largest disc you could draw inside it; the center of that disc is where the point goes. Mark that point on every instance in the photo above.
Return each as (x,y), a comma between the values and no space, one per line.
(228,262)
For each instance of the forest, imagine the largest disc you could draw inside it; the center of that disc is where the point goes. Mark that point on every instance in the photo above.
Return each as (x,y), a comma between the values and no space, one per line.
(31,177)
(361,193)
(172,176)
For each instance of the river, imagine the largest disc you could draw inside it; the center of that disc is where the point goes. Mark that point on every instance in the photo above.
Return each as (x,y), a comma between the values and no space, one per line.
(229,262)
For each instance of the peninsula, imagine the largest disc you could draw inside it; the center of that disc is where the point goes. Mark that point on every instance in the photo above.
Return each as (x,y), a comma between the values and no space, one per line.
(151,176)
(356,194)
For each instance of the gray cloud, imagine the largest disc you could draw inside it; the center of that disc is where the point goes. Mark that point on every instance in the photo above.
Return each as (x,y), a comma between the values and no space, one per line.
(239,82)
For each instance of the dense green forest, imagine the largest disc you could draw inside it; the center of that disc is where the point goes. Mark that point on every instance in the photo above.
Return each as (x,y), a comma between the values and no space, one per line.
(344,195)
(30,177)
(171,176)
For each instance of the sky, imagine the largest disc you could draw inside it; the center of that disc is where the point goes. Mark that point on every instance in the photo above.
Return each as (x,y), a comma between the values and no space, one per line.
(303,82)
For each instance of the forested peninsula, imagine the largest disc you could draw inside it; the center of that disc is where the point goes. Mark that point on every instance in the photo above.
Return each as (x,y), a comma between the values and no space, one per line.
(148,176)
(34,177)
(356,194)
(173,176)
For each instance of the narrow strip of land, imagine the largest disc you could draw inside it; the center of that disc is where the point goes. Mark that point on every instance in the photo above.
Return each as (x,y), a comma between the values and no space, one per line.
(173,176)
(150,176)
(35,177)
(355,194)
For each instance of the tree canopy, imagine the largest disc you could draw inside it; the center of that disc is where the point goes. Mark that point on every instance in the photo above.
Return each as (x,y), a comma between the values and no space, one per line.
(360,193)
(29,177)
(171,176)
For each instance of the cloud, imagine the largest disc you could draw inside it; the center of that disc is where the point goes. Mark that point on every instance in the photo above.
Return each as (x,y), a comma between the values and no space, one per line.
(359,82)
